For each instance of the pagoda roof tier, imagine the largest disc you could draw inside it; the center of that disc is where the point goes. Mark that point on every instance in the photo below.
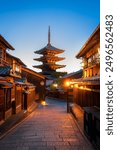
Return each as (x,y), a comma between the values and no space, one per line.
(52,66)
(49,58)
(49,49)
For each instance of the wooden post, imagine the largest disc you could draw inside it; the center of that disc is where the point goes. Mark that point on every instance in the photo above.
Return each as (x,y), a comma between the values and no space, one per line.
(68,100)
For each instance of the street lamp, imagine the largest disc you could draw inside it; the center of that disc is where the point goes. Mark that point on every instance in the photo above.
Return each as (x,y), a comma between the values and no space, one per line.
(67,84)
(55,85)
(43,102)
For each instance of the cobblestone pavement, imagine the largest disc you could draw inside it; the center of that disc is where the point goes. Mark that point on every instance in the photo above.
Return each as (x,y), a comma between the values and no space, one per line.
(47,128)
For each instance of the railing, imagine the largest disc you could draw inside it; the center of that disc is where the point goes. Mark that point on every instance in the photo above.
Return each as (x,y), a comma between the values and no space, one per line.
(93,62)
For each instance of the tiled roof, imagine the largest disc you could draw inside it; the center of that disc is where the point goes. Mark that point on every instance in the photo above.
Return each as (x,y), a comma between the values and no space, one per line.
(16,58)
(32,72)
(91,42)
(2,39)
(51,48)
(77,73)
(5,84)
(4,70)
(93,78)
(88,80)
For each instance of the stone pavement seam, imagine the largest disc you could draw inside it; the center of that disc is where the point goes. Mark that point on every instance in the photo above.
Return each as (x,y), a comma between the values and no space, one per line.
(47,128)
(10,124)
(14,126)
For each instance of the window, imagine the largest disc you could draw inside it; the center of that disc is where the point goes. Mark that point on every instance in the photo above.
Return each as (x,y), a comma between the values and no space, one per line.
(17,68)
(1,53)
(94,59)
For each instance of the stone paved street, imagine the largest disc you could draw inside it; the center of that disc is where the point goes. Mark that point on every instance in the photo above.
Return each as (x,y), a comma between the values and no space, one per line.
(47,128)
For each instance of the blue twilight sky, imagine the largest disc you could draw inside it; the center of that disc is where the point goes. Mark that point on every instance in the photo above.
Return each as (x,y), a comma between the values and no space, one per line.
(24,24)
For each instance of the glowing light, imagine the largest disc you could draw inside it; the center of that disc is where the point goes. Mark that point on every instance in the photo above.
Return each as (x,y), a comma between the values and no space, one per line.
(55,85)
(76,85)
(81,87)
(82,64)
(72,86)
(67,83)
(43,103)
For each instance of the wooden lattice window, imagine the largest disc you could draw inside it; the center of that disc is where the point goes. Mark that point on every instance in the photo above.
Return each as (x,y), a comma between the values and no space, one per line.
(1,53)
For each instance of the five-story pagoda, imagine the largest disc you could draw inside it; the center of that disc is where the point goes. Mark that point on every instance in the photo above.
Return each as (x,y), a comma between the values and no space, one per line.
(49,59)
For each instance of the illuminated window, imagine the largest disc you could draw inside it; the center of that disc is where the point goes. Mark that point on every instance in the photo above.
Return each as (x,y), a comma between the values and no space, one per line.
(85,73)
(91,72)
(17,68)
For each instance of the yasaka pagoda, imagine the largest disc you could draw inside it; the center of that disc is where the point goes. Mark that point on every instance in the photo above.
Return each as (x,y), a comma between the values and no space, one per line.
(49,58)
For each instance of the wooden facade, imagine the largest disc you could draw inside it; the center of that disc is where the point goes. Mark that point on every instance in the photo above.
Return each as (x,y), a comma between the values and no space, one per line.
(28,97)
(16,65)
(1,104)
(15,94)
(4,45)
(5,103)
(87,88)
(22,98)
(90,54)
(5,83)
(87,95)
(37,79)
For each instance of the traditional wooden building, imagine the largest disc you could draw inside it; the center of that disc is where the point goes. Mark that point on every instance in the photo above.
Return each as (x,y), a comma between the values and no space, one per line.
(6,82)
(5,98)
(37,79)
(16,65)
(17,91)
(87,88)
(90,54)
(49,59)
(4,46)
(14,95)
(71,76)
(29,85)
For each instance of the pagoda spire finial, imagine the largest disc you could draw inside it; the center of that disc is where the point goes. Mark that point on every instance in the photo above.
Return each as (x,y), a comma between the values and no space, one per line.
(49,35)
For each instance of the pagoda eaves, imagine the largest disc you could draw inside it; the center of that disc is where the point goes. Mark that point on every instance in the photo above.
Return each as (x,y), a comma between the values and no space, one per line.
(49,49)
(51,66)
(49,58)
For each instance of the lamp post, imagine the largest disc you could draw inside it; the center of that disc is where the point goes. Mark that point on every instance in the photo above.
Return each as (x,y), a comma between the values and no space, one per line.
(43,102)
(67,84)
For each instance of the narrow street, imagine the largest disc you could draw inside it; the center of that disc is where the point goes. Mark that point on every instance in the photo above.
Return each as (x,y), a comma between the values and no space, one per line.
(47,128)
